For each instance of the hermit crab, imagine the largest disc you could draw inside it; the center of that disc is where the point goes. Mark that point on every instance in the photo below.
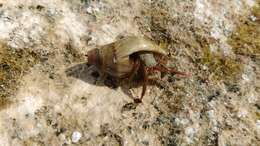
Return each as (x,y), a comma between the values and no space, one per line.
(130,56)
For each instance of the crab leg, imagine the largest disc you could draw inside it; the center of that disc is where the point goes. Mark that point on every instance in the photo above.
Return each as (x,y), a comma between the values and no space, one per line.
(145,81)
(134,70)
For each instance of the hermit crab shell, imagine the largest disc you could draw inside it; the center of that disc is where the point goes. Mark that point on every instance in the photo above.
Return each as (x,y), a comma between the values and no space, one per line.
(133,44)
(115,58)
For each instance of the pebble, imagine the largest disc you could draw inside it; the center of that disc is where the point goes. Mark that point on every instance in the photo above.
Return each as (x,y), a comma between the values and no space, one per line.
(252,98)
(204,67)
(90,10)
(179,121)
(258,124)
(210,114)
(245,77)
(253,18)
(75,137)
(242,113)
(189,131)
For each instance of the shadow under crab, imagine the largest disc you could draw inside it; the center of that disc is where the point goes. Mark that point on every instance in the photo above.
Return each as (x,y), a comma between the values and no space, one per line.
(90,75)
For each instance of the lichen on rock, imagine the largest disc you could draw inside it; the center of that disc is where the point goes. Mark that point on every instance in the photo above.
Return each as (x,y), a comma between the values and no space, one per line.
(50,96)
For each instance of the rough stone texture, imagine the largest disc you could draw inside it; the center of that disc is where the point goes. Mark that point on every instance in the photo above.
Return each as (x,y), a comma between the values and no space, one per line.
(60,94)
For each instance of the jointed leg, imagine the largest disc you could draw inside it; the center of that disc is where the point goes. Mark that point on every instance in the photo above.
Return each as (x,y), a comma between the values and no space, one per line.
(135,69)
(145,81)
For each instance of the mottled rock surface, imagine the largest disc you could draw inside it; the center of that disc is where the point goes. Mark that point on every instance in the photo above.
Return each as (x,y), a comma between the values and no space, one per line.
(49,96)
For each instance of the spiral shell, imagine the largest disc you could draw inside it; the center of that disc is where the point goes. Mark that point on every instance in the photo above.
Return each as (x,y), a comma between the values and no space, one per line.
(116,59)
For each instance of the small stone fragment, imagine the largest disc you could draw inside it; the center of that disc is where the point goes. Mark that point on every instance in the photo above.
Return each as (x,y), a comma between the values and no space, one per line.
(258,124)
(242,113)
(75,137)
(245,77)
(253,18)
